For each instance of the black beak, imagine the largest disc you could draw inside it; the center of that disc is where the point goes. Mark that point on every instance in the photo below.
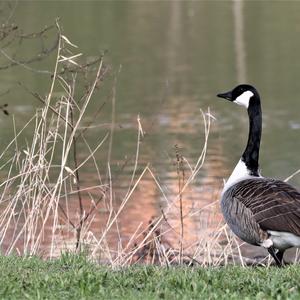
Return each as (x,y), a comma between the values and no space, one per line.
(227,95)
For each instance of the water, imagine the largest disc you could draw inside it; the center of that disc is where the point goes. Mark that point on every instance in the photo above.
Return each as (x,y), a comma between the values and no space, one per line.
(172,58)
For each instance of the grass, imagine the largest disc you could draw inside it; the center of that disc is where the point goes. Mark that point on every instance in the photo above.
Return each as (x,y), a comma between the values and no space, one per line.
(74,277)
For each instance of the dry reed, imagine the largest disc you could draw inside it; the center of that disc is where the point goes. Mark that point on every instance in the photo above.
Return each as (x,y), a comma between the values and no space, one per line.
(43,179)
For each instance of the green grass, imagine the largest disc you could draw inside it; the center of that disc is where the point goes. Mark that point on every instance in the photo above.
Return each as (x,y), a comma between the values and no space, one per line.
(73,277)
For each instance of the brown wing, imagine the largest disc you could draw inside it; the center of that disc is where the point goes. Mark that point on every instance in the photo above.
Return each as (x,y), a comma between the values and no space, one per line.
(275,204)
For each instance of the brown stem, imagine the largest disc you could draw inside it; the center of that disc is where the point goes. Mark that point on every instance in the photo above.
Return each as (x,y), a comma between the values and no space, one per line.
(81,209)
(180,184)
(36,58)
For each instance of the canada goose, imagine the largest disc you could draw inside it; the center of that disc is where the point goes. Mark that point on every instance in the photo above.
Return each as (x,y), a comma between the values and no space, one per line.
(260,211)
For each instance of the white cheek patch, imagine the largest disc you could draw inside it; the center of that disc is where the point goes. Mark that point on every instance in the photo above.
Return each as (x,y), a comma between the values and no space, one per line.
(244,99)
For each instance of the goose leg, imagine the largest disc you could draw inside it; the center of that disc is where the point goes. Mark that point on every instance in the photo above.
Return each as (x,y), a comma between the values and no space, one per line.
(277,255)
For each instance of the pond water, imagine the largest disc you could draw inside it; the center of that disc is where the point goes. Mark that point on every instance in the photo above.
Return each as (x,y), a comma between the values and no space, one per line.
(171,59)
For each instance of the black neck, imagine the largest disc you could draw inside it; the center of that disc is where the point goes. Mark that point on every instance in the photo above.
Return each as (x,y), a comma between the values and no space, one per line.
(251,153)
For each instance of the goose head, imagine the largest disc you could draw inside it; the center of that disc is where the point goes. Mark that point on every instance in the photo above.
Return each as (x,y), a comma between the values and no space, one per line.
(242,94)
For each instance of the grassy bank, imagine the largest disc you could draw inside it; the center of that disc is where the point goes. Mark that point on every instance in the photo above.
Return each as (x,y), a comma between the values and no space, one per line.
(73,277)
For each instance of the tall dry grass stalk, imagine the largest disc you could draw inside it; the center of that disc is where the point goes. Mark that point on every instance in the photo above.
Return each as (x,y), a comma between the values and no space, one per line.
(43,176)
(44,182)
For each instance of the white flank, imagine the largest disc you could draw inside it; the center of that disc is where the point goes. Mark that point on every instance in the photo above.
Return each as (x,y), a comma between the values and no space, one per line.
(239,173)
(244,99)
(283,240)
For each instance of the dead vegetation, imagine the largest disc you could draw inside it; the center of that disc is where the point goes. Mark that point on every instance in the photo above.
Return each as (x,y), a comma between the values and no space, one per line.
(48,208)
